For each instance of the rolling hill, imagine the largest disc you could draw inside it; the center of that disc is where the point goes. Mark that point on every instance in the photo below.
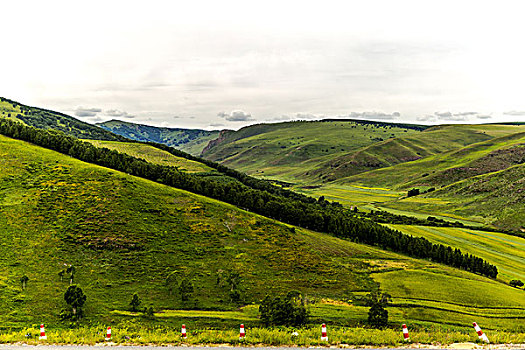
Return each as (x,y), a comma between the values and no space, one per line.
(189,140)
(124,234)
(290,151)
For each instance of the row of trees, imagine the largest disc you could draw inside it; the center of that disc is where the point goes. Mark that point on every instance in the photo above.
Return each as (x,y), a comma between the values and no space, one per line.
(385,217)
(266,199)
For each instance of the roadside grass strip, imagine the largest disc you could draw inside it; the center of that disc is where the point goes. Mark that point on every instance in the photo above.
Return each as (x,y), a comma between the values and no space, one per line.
(134,334)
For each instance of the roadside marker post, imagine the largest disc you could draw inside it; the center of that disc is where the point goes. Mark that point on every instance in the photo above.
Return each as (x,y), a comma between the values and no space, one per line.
(42,333)
(108,334)
(482,336)
(183,331)
(324,335)
(405,333)
(242,333)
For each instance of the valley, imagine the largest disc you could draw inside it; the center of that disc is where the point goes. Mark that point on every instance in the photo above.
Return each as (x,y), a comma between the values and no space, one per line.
(127,233)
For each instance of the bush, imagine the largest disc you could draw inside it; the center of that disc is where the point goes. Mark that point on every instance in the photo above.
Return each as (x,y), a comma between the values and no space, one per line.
(284,310)
(413,192)
(516,283)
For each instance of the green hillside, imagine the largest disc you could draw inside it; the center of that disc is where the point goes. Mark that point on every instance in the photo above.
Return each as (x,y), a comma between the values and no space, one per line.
(125,234)
(46,119)
(495,198)
(445,168)
(507,252)
(290,150)
(323,151)
(154,155)
(188,140)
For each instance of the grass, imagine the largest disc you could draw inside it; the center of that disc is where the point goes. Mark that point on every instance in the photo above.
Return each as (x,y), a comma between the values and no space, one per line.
(125,235)
(153,155)
(504,251)
(134,334)
(289,150)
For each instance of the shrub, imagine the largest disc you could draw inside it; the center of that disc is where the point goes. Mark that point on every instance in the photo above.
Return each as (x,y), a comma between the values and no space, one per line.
(516,283)
(284,310)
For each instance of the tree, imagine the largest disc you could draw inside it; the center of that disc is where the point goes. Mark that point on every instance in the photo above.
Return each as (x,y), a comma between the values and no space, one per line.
(24,279)
(185,289)
(284,310)
(378,315)
(75,298)
(135,302)
(516,283)
(413,192)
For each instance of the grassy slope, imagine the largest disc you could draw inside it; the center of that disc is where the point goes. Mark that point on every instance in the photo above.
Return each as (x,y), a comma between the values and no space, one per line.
(188,140)
(496,198)
(447,167)
(46,119)
(475,174)
(126,235)
(154,155)
(306,152)
(288,150)
(506,252)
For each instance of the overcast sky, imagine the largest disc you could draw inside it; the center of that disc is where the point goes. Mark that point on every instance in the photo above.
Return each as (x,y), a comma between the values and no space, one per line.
(218,64)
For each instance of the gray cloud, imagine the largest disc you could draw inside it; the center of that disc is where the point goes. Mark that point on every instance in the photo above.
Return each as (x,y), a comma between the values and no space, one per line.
(483,116)
(456,117)
(426,118)
(216,125)
(465,113)
(118,113)
(515,113)
(87,112)
(236,116)
(96,119)
(443,115)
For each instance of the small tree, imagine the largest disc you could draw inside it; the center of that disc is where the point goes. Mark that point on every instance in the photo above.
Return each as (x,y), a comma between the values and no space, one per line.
(24,279)
(413,192)
(75,298)
(185,289)
(516,283)
(135,302)
(284,310)
(378,315)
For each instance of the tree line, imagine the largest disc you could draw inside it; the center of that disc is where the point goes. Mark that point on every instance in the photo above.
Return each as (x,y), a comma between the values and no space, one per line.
(253,195)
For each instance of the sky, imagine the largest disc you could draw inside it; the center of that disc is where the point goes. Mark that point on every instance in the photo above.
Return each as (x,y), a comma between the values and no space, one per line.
(228,64)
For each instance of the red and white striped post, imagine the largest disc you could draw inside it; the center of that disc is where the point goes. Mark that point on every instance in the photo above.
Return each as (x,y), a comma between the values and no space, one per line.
(42,333)
(183,331)
(405,333)
(482,336)
(108,334)
(242,333)
(324,335)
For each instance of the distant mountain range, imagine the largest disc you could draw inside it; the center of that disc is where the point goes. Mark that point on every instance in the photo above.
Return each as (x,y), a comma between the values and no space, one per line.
(189,140)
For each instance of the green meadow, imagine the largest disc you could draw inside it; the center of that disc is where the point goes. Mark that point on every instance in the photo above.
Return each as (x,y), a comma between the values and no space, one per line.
(153,155)
(505,251)
(127,235)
